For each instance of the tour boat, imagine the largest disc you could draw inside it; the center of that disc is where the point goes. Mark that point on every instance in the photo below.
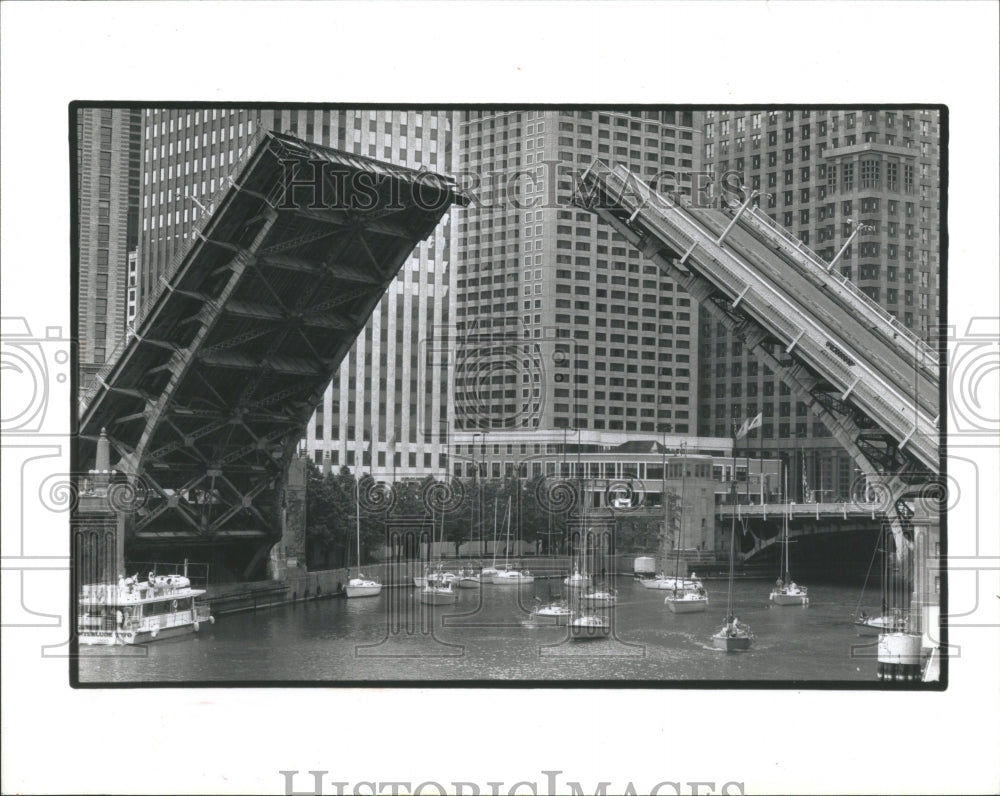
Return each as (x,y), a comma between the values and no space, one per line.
(589,627)
(361,586)
(554,613)
(134,611)
(438,594)
(786,591)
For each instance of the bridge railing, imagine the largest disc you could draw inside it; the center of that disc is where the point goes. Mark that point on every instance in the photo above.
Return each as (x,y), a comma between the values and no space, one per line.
(200,221)
(865,303)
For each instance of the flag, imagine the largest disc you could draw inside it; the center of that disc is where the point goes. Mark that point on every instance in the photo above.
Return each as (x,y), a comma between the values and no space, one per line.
(805,483)
(749,425)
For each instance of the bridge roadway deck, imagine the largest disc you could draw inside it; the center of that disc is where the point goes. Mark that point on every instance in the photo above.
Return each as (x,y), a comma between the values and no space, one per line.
(787,279)
(862,369)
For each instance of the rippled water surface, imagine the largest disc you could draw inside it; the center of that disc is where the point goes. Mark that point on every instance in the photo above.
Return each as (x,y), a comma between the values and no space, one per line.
(487,637)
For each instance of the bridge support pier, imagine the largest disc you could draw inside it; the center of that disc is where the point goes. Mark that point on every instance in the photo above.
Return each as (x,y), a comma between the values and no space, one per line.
(288,556)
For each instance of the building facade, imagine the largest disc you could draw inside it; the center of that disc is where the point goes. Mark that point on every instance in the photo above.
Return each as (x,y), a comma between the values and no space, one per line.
(558,322)
(385,412)
(107,208)
(820,173)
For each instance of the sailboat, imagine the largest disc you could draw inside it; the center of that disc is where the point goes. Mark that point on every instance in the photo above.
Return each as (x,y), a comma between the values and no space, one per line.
(886,621)
(786,591)
(438,588)
(578,579)
(361,586)
(487,573)
(508,576)
(589,626)
(683,600)
(735,635)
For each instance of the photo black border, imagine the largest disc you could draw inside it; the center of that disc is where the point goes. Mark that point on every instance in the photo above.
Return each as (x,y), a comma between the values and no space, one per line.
(781,685)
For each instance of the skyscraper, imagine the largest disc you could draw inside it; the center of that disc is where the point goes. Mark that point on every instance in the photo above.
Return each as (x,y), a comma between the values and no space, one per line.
(107,205)
(559,323)
(385,411)
(821,174)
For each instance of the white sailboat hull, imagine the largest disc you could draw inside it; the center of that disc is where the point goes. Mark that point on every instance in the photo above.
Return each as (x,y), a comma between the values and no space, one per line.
(363,588)
(512,579)
(589,628)
(737,643)
(686,605)
(558,615)
(438,596)
(789,597)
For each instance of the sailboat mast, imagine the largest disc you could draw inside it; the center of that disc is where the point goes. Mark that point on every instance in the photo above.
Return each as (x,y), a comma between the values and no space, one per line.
(506,548)
(357,513)
(680,522)
(494,532)
(784,536)
(732,530)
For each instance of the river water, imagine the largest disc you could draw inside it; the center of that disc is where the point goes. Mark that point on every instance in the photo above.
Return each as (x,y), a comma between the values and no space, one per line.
(486,638)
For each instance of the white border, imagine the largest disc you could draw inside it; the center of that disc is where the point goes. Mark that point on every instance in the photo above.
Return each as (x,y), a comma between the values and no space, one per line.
(58,740)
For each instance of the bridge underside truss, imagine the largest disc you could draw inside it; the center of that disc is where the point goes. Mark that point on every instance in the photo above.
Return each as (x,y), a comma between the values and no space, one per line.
(208,401)
(703,249)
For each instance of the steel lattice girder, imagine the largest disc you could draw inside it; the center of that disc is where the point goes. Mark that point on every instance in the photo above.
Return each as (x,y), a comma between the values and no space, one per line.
(209,399)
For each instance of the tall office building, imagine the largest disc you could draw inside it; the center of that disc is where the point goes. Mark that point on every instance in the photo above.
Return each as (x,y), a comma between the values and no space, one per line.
(560,324)
(107,155)
(820,174)
(384,391)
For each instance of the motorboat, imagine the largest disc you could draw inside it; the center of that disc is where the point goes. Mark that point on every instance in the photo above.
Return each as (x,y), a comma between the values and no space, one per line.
(135,612)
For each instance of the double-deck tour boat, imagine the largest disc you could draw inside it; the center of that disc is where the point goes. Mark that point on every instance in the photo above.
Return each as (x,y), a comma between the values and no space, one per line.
(134,611)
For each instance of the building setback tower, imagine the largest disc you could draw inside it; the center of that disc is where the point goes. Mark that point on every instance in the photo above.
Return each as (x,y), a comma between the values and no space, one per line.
(821,173)
(107,155)
(385,411)
(559,323)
